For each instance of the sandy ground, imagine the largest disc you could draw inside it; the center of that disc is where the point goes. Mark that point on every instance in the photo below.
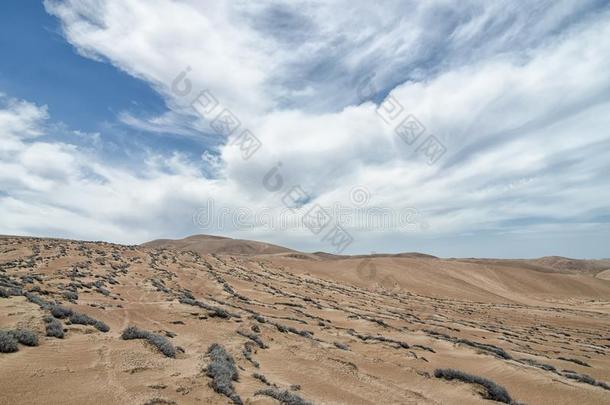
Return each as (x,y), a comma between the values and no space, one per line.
(334,330)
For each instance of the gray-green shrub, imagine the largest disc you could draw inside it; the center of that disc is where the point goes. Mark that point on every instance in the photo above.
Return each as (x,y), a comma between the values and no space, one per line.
(160,342)
(494,391)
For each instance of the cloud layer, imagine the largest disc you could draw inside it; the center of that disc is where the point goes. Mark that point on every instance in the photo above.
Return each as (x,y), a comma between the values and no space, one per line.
(519,96)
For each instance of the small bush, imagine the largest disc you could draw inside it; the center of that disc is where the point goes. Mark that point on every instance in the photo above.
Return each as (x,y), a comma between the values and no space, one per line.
(261,378)
(37,300)
(255,338)
(61,312)
(260,319)
(160,401)
(103,291)
(494,391)
(82,319)
(547,367)
(247,352)
(160,342)
(341,346)
(54,327)
(219,313)
(497,351)
(587,379)
(77,318)
(576,361)
(223,372)
(25,337)
(8,343)
(70,295)
(284,397)
(133,332)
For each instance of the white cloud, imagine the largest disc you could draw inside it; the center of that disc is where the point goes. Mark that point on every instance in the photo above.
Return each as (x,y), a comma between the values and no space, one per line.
(525,128)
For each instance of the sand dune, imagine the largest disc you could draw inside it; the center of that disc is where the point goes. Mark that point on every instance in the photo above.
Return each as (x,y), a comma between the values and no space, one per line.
(308,328)
(207,244)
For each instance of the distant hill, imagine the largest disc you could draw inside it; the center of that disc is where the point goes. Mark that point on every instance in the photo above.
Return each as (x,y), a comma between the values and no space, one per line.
(206,244)
(573,265)
(134,324)
(550,264)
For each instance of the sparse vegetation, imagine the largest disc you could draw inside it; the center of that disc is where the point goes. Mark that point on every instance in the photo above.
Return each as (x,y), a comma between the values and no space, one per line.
(219,313)
(547,367)
(341,346)
(82,319)
(587,379)
(61,312)
(247,352)
(160,342)
(286,329)
(70,295)
(261,378)
(54,327)
(77,318)
(37,300)
(160,401)
(102,291)
(223,372)
(255,338)
(25,337)
(261,319)
(214,312)
(497,351)
(494,391)
(284,397)
(8,342)
(575,361)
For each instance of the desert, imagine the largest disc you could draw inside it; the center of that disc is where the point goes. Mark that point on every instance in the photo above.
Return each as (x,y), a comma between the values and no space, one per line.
(186,321)
(281,202)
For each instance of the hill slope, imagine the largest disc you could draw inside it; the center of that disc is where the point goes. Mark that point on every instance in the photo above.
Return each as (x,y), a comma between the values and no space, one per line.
(208,244)
(308,327)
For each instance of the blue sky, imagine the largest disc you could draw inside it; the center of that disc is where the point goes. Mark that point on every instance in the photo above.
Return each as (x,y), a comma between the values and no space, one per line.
(98,144)
(38,64)
(81,93)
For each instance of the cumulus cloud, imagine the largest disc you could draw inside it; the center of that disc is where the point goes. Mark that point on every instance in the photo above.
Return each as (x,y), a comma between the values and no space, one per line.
(517,94)
(56,188)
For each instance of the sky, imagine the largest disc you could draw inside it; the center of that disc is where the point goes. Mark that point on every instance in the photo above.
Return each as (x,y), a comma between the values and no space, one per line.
(459,129)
